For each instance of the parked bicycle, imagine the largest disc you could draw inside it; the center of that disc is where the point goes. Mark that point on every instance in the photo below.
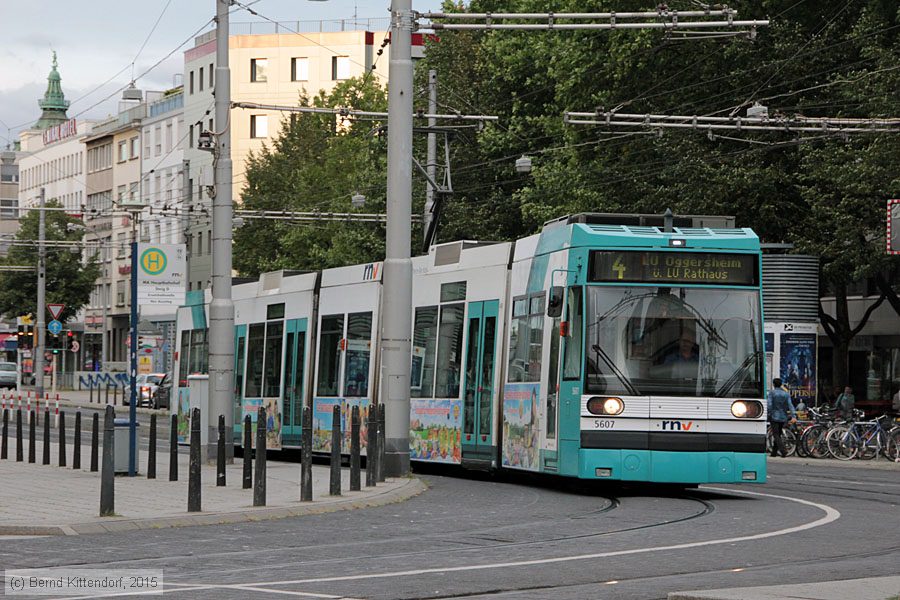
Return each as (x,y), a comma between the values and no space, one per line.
(863,439)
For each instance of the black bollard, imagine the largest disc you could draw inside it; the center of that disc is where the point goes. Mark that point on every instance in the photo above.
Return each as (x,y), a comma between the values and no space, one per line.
(76,442)
(107,394)
(334,487)
(380,465)
(220,454)
(18,435)
(248,452)
(91,392)
(194,467)
(95,440)
(173,449)
(306,487)
(108,475)
(46,456)
(259,480)
(62,438)
(354,450)
(32,425)
(116,395)
(371,439)
(4,442)
(151,453)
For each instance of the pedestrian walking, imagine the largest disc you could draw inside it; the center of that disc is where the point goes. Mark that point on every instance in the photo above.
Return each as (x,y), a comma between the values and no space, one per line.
(845,403)
(779,408)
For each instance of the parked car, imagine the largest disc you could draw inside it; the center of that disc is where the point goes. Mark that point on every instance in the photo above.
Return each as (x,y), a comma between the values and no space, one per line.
(153,390)
(8,372)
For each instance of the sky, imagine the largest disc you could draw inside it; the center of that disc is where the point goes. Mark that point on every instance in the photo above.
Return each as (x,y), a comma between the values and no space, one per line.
(97,41)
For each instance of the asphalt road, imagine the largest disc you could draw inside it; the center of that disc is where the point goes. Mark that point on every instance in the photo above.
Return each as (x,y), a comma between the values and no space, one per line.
(513,539)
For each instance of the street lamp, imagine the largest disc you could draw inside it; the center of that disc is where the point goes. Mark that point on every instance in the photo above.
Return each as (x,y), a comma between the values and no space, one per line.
(134,209)
(523,164)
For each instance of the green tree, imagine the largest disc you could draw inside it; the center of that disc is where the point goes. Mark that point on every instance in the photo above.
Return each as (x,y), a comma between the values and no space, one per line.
(315,164)
(70,278)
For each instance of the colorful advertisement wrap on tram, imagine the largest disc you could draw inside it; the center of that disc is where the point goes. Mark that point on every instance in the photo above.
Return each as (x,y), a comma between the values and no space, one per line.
(521,427)
(436,430)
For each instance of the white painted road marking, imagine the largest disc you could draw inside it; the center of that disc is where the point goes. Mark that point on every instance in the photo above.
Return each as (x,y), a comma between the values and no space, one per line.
(831,515)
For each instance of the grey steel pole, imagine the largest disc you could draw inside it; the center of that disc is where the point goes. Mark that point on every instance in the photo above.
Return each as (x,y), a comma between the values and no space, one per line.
(41,301)
(221,309)
(104,302)
(306,487)
(132,354)
(395,335)
(431,156)
(194,465)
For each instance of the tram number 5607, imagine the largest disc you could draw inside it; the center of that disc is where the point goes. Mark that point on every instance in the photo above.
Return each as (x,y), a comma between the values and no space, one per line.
(604,423)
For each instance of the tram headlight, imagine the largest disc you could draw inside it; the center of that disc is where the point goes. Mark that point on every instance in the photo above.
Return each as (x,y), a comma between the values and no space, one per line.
(746,409)
(605,405)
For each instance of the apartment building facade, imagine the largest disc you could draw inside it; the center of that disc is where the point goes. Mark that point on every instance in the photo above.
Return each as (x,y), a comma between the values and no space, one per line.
(266,68)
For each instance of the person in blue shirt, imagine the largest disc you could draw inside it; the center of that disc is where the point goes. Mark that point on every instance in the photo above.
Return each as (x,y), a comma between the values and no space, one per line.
(779,406)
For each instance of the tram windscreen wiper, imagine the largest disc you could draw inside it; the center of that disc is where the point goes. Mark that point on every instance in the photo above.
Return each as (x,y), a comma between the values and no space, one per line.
(615,370)
(738,375)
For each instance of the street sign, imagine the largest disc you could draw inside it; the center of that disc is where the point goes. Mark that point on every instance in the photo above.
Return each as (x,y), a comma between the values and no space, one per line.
(54,327)
(55,310)
(75,346)
(160,274)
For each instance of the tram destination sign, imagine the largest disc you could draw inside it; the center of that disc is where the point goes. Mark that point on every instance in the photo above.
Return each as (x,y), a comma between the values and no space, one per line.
(674,267)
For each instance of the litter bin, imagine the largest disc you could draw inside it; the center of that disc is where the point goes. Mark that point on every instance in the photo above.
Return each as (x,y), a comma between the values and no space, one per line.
(121,442)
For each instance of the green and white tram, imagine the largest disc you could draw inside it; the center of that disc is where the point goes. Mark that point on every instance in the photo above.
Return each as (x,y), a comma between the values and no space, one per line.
(592,350)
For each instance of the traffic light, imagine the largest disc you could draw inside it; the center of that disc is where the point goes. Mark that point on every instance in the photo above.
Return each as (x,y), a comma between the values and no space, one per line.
(25,335)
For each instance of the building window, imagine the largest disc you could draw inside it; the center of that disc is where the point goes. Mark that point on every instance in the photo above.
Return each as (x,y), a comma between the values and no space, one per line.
(147,142)
(191,136)
(200,79)
(191,84)
(210,75)
(259,126)
(209,242)
(135,145)
(258,69)
(120,194)
(340,67)
(199,243)
(299,69)
(123,151)
(157,138)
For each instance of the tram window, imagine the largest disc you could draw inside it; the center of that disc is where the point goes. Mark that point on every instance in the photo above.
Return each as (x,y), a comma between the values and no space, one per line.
(471,377)
(452,292)
(526,339)
(199,351)
(288,373)
(330,355)
(272,370)
(423,352)
(359,343)
(255,350)
(450,339)
(275,311)
(238,379)
(572,347)
(184,357)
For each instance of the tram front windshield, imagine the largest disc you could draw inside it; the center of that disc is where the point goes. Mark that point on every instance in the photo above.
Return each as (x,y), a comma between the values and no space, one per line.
(669,341)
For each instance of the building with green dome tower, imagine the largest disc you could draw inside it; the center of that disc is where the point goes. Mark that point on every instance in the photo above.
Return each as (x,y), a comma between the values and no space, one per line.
(53,104)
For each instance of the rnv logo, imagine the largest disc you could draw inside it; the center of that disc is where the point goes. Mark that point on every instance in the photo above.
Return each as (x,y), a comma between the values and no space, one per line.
(677,425)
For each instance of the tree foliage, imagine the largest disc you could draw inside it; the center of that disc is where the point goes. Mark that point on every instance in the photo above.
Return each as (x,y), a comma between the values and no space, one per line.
(315,164)
(70,278)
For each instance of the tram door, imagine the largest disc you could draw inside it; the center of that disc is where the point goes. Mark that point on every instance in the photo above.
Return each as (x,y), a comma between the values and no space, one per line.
(292,390)
(240,343)
(480,359)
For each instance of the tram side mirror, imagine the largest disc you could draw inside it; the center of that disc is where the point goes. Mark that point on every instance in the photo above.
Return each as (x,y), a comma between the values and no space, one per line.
(555,302)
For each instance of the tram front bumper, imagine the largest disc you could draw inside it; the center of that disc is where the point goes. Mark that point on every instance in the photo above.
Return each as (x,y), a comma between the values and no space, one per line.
(662,466)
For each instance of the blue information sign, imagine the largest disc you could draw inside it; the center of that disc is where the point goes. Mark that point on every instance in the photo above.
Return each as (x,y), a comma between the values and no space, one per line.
(54,327)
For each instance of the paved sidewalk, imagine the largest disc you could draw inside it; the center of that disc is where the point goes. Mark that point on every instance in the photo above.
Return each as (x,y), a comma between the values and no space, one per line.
(877,588)
(50,500)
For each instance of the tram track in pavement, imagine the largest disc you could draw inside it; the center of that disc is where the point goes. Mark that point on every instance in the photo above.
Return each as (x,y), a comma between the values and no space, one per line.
(706,508)
(626,580)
